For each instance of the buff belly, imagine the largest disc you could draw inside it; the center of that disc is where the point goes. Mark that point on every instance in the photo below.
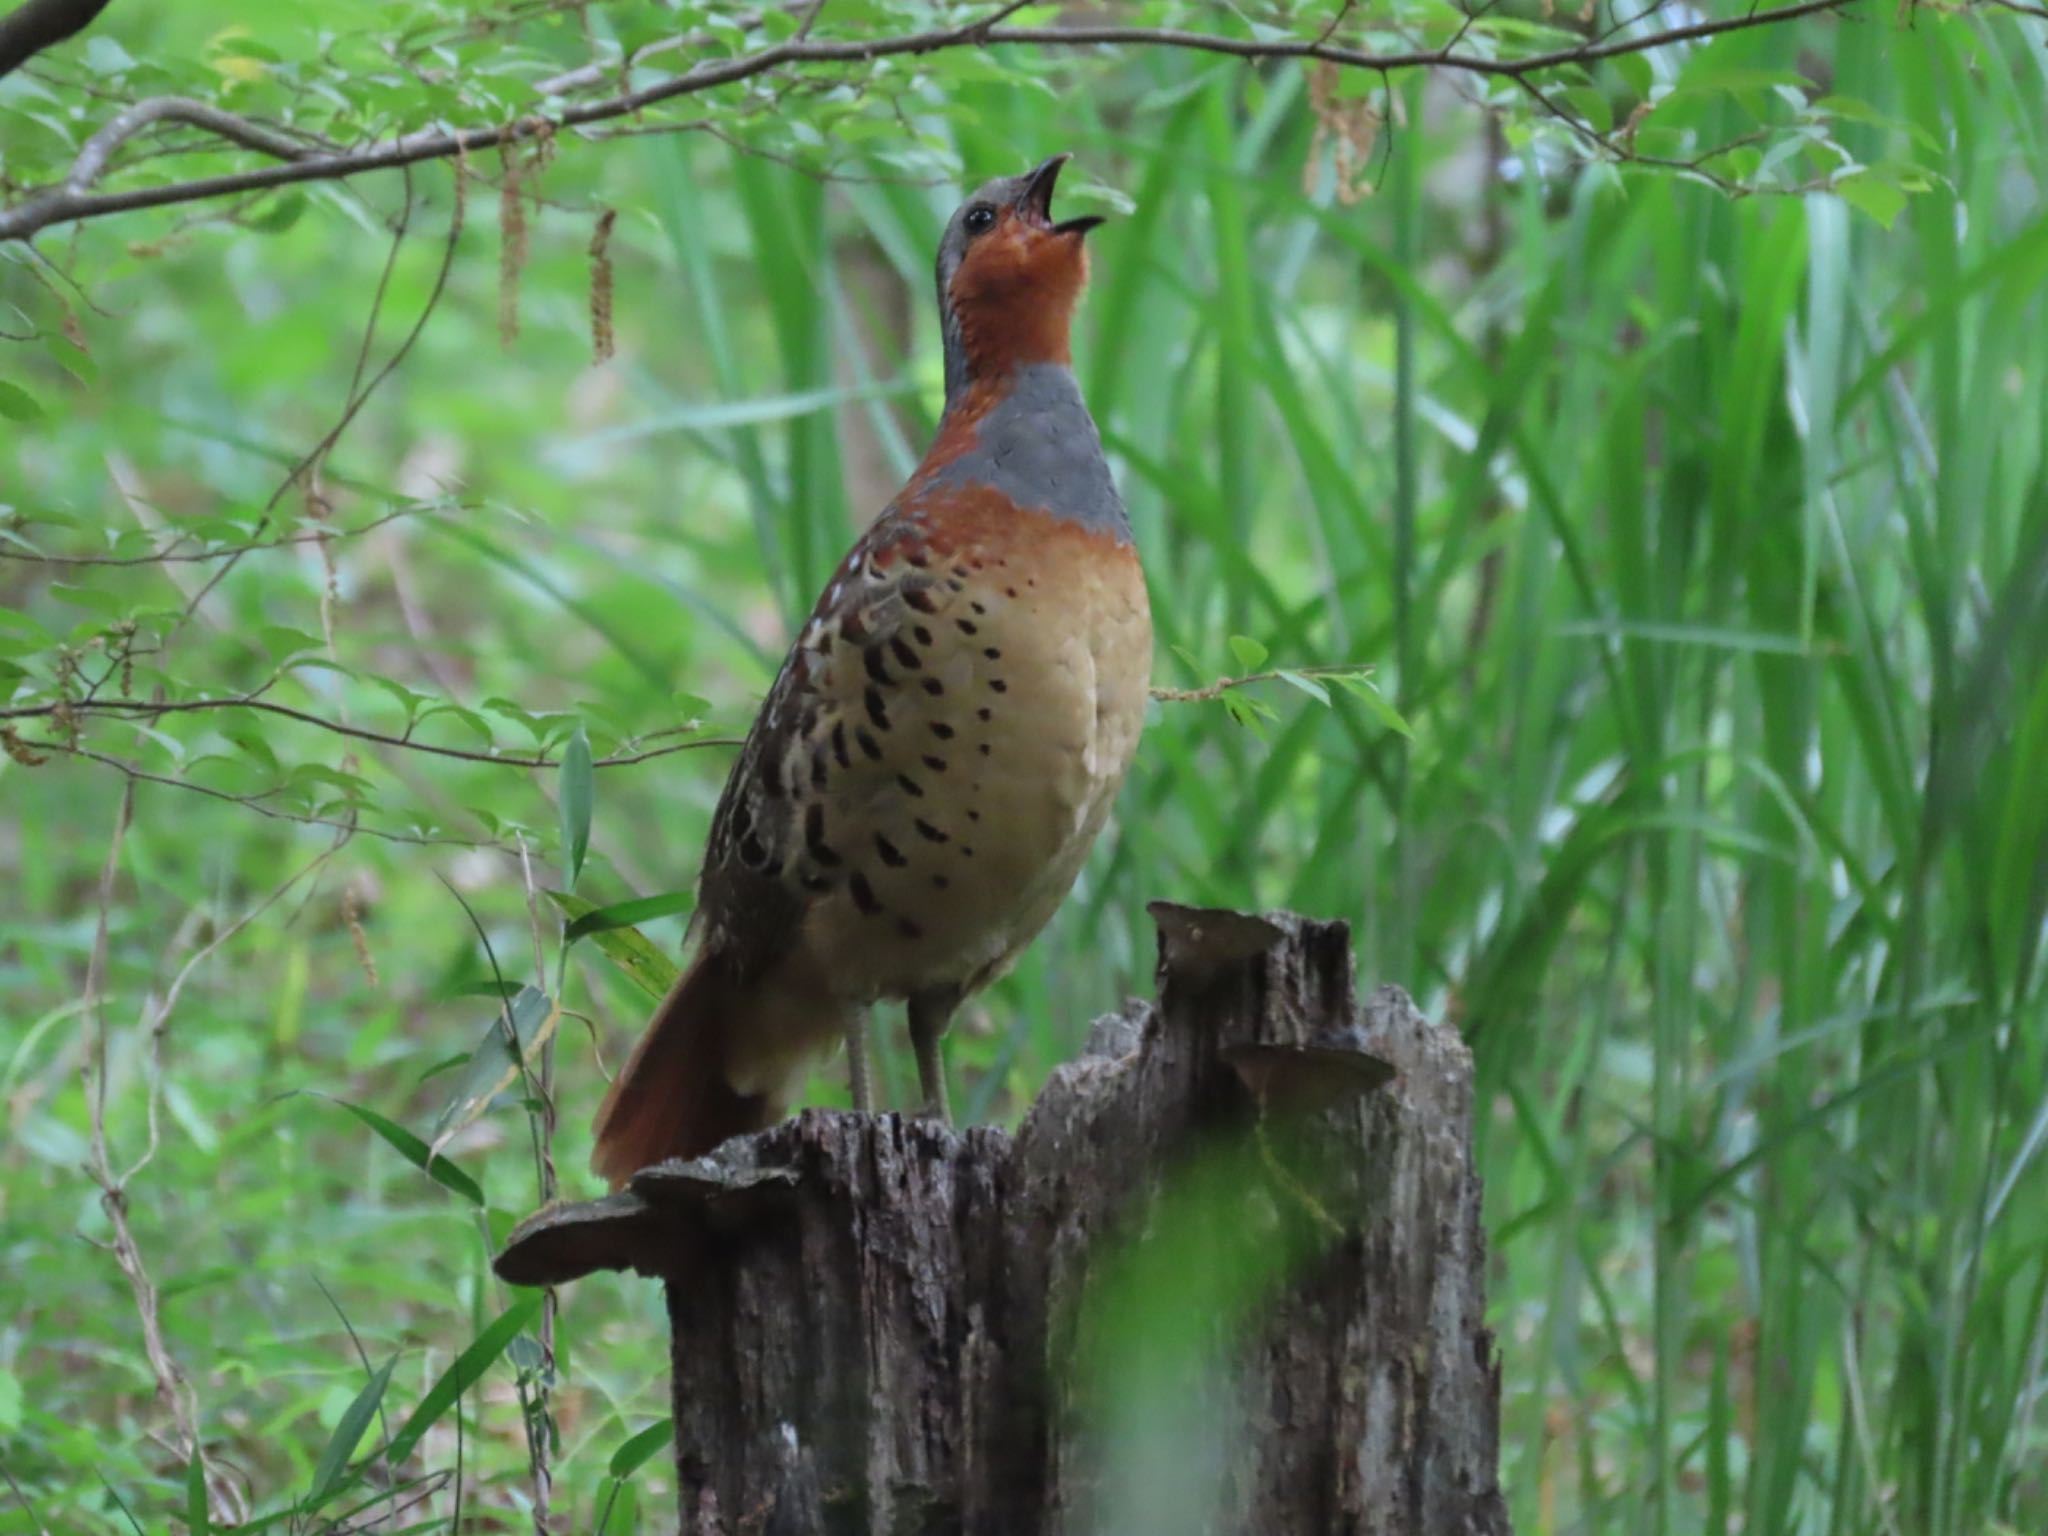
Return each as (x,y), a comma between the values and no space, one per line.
(1004,779)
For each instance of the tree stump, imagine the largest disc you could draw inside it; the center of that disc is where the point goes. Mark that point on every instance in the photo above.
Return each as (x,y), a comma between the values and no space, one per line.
(1227,1276)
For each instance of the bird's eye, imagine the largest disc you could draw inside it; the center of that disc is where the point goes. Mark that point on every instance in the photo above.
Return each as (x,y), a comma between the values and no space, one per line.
(979,218)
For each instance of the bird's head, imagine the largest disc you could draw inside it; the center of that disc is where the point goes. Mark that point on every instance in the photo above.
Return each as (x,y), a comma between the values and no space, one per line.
(1009,278)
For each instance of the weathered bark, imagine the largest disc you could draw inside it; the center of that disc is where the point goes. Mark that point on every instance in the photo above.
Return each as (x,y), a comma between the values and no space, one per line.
(1246,1221)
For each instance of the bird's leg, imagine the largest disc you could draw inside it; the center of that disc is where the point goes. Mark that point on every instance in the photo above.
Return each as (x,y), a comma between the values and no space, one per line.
(858,1071)
(930,1013)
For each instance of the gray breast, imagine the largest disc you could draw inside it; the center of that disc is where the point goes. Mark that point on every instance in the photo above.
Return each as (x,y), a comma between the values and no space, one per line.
(1039,447)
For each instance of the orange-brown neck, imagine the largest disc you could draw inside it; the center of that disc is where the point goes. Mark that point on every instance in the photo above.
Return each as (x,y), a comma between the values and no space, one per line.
(1010,304)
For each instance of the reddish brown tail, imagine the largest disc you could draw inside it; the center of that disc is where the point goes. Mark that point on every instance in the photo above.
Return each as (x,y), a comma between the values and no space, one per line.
(671,1099)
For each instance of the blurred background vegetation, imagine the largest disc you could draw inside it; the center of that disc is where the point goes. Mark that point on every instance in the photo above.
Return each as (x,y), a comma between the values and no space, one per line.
(1666,433)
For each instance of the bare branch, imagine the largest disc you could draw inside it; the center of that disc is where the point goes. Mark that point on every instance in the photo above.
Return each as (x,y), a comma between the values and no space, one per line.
(28,29)
(73,202)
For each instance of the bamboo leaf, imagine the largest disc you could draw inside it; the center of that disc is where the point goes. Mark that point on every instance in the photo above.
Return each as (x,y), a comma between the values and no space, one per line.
(467,1370)
(348,1432)
(415,1151)
(624,914)
(639,1448)
(626,947)
(576,795)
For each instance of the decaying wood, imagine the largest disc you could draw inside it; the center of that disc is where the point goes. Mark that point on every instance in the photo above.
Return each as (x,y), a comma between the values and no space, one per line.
(880,1325)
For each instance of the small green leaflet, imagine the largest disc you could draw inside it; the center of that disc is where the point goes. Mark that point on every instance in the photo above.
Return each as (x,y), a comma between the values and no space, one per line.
(18,403)
(1250,654)
(1360,687)
(1307,685)
(634,1454)
(1249,712)
(576,797)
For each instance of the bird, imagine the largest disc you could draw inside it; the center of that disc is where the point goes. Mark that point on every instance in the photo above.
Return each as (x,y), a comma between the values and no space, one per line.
(942,744)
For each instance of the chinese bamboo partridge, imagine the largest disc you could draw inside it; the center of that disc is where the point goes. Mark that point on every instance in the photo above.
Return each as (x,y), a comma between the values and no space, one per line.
(944,740)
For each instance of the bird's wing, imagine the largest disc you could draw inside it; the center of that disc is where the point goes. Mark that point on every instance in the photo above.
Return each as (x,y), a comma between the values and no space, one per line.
(814,744)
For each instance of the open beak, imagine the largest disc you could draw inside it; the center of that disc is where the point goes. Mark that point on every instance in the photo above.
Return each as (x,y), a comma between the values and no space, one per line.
(1037,200)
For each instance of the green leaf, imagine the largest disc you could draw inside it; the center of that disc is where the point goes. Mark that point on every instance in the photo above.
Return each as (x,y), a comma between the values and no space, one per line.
(415,1151)
(1875,196)
(86,597)
(576,794)
(494,1065)
(282,641)
(1250,654)
(479,727)
(18,404)
(408,701)
(634,1454)
(198,1512)
(1245,713)
(348,1431)
(104,56)
(627,948)
(1361,688)
(281,215)
(468,1368)
(625,914)
(1307,685)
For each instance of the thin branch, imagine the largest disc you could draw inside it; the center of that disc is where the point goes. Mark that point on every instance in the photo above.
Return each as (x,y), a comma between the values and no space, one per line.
(28,29)
(73,202)
(22,1499)
(92,160)
(255,802)
(125,709)
(1224,685)
(358,396)
(172,1389)
(810,19)
(174,556)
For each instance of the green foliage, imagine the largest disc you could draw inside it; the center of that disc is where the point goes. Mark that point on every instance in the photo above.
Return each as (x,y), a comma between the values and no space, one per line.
(1696,544)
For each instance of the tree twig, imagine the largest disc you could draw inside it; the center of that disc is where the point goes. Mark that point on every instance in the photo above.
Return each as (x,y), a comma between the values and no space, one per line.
(173,556)
(1224,685)
(124,709)
(72,201)
(255,802)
